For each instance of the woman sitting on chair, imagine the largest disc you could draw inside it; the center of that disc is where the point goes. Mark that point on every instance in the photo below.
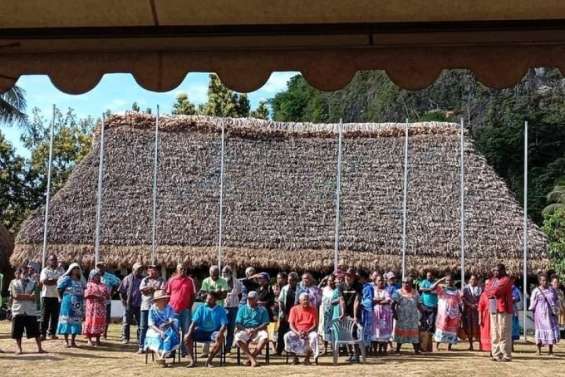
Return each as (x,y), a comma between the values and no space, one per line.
(163,333)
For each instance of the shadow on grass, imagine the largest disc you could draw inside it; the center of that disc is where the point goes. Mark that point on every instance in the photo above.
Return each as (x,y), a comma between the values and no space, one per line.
(29,357)
(81,355)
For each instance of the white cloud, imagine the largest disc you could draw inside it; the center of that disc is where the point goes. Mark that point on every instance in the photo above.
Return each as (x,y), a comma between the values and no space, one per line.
(197,93)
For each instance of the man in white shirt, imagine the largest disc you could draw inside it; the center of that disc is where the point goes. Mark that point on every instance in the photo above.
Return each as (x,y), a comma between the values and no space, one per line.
(24,310)
(49,298)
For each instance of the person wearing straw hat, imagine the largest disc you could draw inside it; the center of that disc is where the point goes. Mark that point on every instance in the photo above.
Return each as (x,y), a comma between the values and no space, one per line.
(149,285)
(71,293)
(130,295)
(209,324)
(251,324)
(163,333)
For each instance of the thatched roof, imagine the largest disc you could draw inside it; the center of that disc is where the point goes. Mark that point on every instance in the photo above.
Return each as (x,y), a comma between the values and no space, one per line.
(279,196)
(6,246)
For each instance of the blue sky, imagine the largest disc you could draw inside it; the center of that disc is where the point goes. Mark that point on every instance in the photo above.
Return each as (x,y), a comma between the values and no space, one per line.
(117,92)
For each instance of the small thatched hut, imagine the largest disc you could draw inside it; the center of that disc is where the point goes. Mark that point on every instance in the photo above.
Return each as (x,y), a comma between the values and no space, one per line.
(279,198)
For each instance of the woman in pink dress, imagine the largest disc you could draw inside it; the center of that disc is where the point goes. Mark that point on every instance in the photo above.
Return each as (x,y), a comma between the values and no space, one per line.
(96,295)
(383,317)
(449,314)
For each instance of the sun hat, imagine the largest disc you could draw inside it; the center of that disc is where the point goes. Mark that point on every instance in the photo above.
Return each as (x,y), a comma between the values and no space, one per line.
(160,295)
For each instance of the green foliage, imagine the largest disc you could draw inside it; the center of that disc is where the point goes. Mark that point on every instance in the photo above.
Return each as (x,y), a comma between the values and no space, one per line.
(183,106)
(12,106)
(554,227)
(135,107)
(15,188)
(261,112)
(224,102)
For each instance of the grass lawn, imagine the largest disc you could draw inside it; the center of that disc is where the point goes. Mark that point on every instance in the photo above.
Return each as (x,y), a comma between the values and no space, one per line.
(115,359)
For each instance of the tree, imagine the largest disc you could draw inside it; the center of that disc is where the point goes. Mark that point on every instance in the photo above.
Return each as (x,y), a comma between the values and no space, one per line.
(183,106)
(261,112)
(135,107)
(71,142)
(224,102)
(556,199)
(13,106)
(554,227)
(14,186)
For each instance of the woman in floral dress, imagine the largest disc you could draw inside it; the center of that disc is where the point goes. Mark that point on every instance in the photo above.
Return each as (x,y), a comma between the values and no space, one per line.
(545,304)
(406,306)
(96,294)
(71,293)
(448,319)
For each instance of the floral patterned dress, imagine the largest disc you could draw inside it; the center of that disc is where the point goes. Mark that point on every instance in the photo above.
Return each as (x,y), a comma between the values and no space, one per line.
(407,316)
(382,317)
(95,313)
(72,306)
(448,315)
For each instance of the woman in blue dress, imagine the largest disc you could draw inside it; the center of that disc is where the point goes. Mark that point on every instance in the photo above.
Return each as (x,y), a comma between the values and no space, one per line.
(71,293)
(163,333)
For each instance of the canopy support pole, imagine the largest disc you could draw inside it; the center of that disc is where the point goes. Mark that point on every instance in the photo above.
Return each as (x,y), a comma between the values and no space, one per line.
(221,219)
(155,170)
(337,196)
(99,193)
(462,203)
(525,277)
(404,199)
(48,191)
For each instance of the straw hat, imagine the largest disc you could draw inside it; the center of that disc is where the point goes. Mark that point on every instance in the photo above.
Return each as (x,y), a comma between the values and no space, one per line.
(161,295)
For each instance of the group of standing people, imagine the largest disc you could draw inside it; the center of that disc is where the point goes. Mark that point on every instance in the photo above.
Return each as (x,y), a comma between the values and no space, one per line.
(238,312)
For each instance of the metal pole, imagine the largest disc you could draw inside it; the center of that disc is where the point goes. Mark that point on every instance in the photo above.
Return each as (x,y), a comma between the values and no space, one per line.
(337,196)
(99,193)
(462,203)
(525,277)
(48,191)
(155,169)
(404,199)
(221,220)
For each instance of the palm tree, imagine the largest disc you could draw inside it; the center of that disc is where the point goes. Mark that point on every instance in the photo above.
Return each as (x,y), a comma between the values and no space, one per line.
(556,198)
(12,106)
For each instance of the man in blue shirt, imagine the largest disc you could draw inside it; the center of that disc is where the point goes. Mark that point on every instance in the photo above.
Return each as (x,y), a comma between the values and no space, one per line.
(251,326)
(209,324)
(429,303)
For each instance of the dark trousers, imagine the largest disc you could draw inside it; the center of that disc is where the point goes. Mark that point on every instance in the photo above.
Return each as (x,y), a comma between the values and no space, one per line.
(143,327)
(284,327)
(231,314)
(127,320)
(49,315)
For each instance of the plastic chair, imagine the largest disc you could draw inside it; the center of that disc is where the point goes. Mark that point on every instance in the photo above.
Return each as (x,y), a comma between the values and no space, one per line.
(342,333)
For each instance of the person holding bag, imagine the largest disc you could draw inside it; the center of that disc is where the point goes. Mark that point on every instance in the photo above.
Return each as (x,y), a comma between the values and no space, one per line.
(545,304)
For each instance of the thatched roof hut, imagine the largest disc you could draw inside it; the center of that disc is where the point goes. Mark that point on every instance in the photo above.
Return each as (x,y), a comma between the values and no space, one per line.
(279,192)
(6,247)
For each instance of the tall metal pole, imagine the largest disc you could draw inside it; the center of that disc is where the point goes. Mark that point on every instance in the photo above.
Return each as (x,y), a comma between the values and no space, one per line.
(462,203)
(525,277)
(337,195)
(155,170)
(99,193)
(48,191)
(404,199)
(221,219)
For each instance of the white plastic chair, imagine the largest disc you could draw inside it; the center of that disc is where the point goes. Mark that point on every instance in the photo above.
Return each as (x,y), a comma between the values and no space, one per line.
(342,333)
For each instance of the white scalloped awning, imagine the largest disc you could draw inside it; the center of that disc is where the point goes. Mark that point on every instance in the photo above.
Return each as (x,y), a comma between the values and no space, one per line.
(160,41)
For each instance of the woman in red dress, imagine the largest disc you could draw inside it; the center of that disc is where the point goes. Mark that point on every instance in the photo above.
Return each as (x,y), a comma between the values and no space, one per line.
(484,322)
(96,295)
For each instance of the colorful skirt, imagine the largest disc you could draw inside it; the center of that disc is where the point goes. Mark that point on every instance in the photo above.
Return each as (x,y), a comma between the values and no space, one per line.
(95,318)
(162,346)
(70,315)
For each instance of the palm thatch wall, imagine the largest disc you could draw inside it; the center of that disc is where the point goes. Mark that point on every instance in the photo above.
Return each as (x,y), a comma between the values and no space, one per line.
(279,194)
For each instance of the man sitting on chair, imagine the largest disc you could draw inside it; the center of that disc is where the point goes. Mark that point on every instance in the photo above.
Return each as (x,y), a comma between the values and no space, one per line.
(302,339)
(251,326)
(209,324)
